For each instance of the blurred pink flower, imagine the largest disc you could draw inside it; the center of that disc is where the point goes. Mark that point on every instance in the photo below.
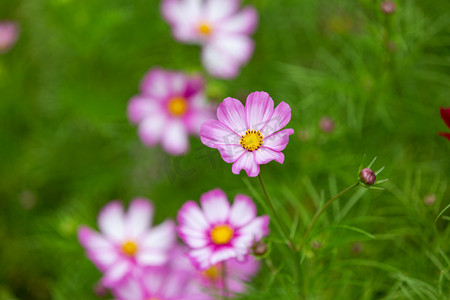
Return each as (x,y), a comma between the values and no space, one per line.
(219,26)
(9,33)
(127,242)
(176,280)
(237,274)
(170,107)
(218,232)
(249,136)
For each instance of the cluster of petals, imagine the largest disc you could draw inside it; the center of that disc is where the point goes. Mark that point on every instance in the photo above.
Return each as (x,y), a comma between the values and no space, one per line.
(217,231)
(170,107)
(9,33)
(126,241)
(249,136)
(445,115)
(219,26)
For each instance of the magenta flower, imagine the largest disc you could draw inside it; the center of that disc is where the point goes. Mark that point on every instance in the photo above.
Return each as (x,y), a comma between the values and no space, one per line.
(218,232)
(219,26)
(9,33)
(237,274)
(445,115)
(170,107)
(249,136)
(127,242)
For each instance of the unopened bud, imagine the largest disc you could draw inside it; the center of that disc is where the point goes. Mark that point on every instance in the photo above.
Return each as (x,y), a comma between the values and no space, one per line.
(388,7)
(367,176)
(326,124)
(259,248)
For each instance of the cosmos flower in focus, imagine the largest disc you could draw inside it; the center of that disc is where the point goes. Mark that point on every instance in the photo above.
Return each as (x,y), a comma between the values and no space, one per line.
(237,274)
(217,232)
(127,242)
(219,27)
(171,106)
(9,33)
(251,135)
(176,280)
(445,115)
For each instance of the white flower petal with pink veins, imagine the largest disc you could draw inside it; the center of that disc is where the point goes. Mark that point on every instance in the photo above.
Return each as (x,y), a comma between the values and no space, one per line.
(222,254)
(224,55)
(111,221)
(231,112)
(278,140)
(116,273)
(242,211)
(175,138)
(264,155)
(139,218)
(214,133)
(243,22)
(259,109)
(201,257)
(246,162)
(193,237)
(190,215)
(279,119)
(215,206)
(150,129)
(231,153)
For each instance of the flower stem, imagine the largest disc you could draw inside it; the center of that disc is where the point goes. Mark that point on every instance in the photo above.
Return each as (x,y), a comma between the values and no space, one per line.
(284,231)
(320,211)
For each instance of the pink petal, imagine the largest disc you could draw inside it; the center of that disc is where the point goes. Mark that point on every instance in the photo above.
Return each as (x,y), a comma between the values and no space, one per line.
(232,47)
(278,140)
(231,153)
(156,83)
(91,240)
(246,162)
(111,221)
(214,133)
(177,83)
(253,231)
(175,138)
(193,237)
(280,117)
(231,112)
(9,32)
(104,259)
(184,17)
(201,257)
(116,273)
(215,206)
(264,155)
(138,218)
(218,63)
(242,211)
(244,22)
(243,269)
(151,258)
(160,237)
(259,109)
(222,254)
(141,107)
(130,289)
(191,216)
(219,9)
(150,129)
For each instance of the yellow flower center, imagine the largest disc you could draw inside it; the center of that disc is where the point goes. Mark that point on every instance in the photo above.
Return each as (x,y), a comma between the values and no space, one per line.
(252,140)
(204,28)
(177,106)
(221,234)
(212,273)
(129,248)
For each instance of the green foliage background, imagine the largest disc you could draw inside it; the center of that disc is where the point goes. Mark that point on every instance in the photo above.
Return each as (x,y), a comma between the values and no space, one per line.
(67,148)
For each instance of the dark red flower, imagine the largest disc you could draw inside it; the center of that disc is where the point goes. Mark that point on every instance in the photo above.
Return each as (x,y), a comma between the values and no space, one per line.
(445,115)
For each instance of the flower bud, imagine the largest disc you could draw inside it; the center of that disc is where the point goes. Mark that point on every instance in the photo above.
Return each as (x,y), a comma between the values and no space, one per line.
(259,248)
(388,7)
(367,176)
(326,124)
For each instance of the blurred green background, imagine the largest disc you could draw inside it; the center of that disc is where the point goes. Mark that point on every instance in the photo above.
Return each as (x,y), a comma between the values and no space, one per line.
(67,148)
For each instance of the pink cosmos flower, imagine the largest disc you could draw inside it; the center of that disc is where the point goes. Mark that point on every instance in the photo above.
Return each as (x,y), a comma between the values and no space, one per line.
(9,33)
(445,115)
(170,107)
(176,280)
(219,26)
(249,136)
(127,242)
(237,274)
(218,232)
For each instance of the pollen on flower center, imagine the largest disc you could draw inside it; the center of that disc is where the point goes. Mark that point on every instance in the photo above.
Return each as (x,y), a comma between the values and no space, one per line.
(129,248)
(177,106)
(204,28)
(252,140)
(221,234)
(212,273)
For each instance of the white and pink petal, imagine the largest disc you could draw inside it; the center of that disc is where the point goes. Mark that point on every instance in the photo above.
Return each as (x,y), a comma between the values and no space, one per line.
(259,109)
(242,211)
(175,137)
(279,119)
(264,155)
(213,133)
(138,218)
(111,221)
(246,162)
(215,206)
(278,140)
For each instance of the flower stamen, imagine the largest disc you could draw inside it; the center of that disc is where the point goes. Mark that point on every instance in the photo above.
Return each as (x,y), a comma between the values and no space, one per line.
(252,140)
(204,28)
(129,248)
(177,106)
(221,234)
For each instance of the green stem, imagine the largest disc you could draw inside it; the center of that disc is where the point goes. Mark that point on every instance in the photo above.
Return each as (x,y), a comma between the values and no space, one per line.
(284,231)
(319,213)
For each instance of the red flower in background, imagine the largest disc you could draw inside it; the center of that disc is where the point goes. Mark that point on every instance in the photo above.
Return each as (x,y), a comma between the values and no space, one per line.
(445,115)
